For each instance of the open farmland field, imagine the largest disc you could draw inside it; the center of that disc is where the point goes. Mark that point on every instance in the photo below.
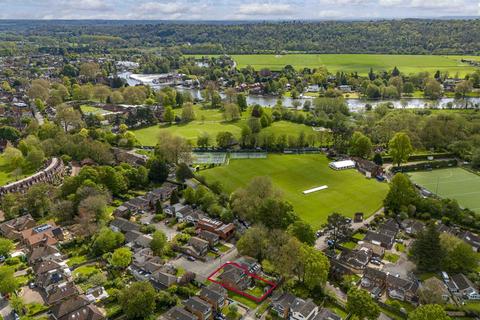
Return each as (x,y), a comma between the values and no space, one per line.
(211,122)
(360,63)
(454,183)
(348,191)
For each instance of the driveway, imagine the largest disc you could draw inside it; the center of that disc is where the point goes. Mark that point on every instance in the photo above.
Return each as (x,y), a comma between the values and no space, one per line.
(5,309)
(31,295)
(204,269)
(403,267)
(146,219)
(321,243)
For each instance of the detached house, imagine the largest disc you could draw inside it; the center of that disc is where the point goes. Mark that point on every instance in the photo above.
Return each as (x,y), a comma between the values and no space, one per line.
(380,239)
(162,280)
(60,292)
(402,289)
(374,281)
(75,308)
(214,294)
(412,227)
(211,237)
(303,309)
(12,229)
(199,307)
(45,234)
(196,247)
(123,225)
(224,231)
(281,304)
(462,287)
(179,313)
(235,277)
(472,239)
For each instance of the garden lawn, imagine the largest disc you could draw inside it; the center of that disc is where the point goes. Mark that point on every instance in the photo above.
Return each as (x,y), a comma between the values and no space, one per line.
(243,300)
(360,63)
(86,271)
(453,183)
(348,191)
(86,109)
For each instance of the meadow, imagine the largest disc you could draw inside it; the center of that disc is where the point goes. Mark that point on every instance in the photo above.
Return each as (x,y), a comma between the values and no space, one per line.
(453,183)
(7,174)
(348,191)
(211,122)
(360,63)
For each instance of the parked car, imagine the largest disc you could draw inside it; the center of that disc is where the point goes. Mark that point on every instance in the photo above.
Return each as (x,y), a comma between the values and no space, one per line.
(191,258)
(214,249)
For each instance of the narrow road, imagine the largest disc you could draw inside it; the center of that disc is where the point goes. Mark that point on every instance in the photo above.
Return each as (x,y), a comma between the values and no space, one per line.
(5,309)
(321,243)
(37,115)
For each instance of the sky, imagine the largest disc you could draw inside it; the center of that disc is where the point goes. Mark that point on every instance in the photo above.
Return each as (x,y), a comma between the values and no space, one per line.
(235,9)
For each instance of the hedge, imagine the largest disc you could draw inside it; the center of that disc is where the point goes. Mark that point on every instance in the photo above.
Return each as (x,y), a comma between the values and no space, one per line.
(426,166)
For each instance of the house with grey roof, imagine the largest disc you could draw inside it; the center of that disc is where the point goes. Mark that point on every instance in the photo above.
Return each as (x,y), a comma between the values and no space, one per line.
(303,309)
(462,287)
(162,280)
(214,294)
(179,313)
(281,303)
(123,225)
(199,307)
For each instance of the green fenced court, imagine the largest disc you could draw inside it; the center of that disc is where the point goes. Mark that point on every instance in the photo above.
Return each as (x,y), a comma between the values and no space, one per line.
(454,183)
(209,157)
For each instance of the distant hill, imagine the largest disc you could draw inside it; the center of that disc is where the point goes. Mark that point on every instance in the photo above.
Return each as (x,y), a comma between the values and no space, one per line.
(409,36)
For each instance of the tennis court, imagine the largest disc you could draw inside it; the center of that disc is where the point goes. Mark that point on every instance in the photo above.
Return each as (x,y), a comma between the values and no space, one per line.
(248,155)
(209,157)
(454,183)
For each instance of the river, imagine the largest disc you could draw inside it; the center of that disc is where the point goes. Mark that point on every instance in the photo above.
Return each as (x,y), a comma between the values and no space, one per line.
(353,104)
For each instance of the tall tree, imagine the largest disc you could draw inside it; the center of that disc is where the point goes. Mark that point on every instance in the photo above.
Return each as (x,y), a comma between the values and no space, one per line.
(459,256)
(159,243)
(429,312)
(426,250)
(400,148)
(361,304)
(340,228)
(314,267)
(121,258)
(401,194)
(138,300)
(360,145)
(302,231)
(8,283)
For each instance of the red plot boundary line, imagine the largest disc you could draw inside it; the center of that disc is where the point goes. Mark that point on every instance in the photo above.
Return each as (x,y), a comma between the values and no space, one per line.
(235,290)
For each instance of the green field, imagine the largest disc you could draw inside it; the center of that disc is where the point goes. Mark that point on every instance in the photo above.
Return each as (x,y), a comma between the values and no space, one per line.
(211,122)
(360,63)
(7,174)
(454,183)
(348,191)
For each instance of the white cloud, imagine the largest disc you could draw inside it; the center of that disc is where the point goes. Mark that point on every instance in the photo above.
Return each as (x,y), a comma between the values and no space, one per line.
(438,5)
(264,9)
(342,2)
(84,5)
(388,3)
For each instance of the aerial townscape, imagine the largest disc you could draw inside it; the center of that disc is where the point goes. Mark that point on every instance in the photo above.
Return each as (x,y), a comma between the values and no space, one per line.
(239,160)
